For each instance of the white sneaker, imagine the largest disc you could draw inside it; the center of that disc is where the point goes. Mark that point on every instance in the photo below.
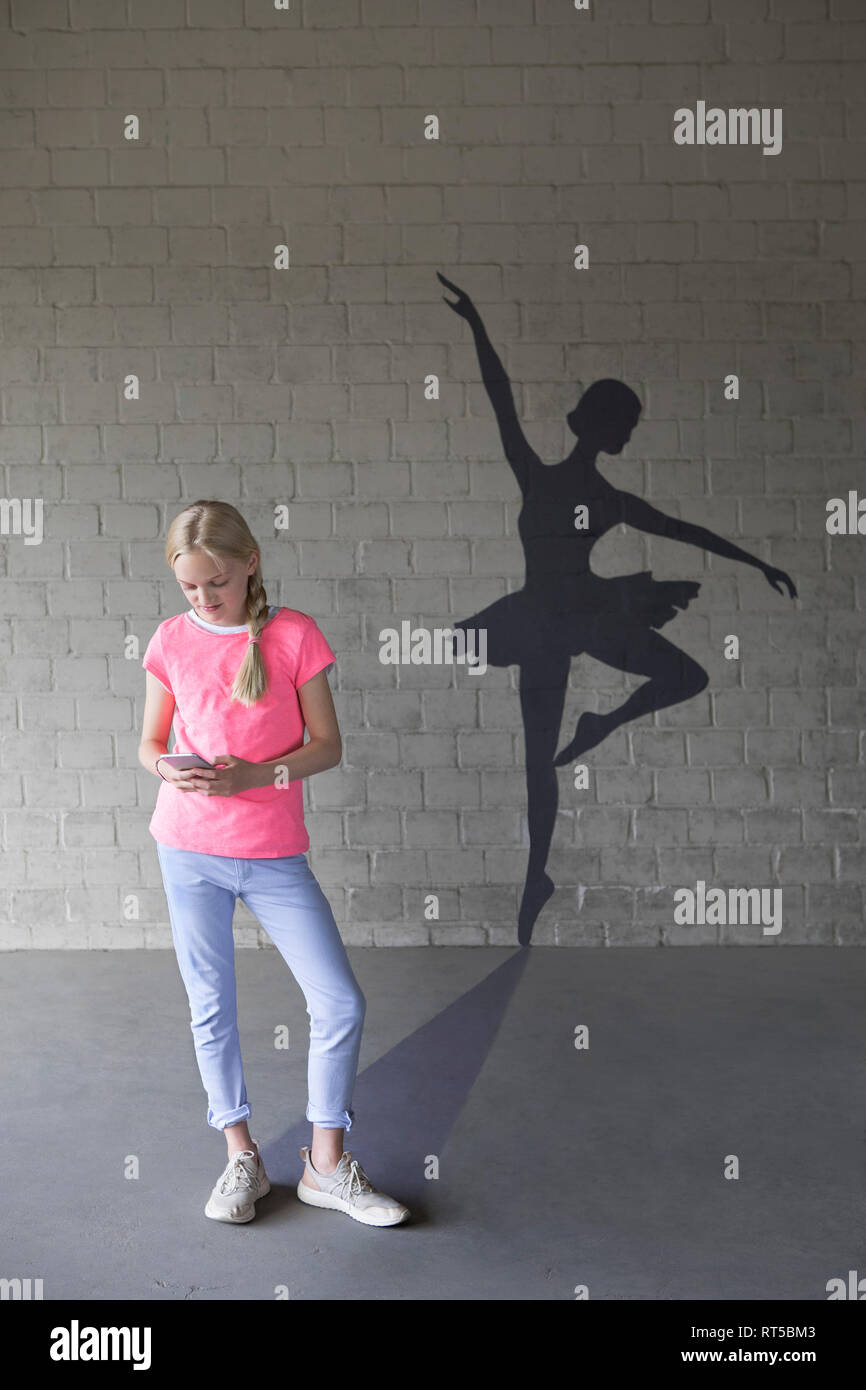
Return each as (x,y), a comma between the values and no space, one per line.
(349,1189)
(235,1195)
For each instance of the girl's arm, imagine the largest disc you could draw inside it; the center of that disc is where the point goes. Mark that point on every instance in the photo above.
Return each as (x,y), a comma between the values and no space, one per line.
(156,725)
(518,451)
(323,749)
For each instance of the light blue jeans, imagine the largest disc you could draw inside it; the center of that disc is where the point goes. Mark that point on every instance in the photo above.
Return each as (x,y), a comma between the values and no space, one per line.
(285,895)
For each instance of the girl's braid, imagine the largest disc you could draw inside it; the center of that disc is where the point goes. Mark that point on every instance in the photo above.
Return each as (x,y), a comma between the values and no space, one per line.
(257,604)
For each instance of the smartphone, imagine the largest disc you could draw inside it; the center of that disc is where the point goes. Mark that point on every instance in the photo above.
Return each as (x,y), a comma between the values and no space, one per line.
(184,760)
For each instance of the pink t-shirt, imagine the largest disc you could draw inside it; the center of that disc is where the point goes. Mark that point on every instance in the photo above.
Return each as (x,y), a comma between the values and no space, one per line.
(198,667)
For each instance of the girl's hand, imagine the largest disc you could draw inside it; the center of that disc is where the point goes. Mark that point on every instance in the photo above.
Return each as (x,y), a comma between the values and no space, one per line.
(180,777)
(777,578)
(464,306)
(238,775)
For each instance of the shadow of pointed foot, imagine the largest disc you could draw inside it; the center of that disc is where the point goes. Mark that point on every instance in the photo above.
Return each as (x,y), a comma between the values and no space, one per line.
(535,895)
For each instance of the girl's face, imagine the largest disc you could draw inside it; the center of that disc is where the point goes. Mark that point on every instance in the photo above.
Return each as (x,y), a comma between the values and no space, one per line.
(217,595)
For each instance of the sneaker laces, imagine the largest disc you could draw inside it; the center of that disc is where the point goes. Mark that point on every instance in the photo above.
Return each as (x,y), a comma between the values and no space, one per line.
(354,1182)
(236,1175)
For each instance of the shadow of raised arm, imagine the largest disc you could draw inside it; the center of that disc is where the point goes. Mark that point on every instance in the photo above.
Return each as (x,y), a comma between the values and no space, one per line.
(518,451)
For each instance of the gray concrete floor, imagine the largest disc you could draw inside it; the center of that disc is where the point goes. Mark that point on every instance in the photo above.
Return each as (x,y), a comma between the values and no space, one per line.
(557,1167)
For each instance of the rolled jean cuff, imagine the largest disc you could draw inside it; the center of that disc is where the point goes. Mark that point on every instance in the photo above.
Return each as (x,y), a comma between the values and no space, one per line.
(232,1117)
(330,1119)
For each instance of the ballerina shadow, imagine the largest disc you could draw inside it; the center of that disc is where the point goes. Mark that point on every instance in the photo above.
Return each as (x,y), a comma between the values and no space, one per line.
(564,609)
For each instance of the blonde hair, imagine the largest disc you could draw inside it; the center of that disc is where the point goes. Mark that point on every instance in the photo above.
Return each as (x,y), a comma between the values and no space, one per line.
(218,529)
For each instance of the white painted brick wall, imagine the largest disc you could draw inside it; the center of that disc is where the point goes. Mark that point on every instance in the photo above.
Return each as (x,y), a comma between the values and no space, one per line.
(306,386)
